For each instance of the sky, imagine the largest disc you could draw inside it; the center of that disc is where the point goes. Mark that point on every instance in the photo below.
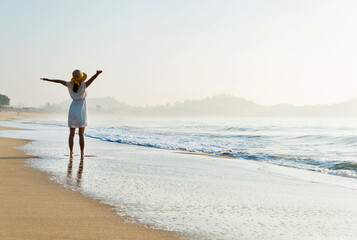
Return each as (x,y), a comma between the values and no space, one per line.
(299,52)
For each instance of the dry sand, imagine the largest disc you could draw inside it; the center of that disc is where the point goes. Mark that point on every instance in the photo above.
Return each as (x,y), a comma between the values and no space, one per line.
(10,114)
(33,207)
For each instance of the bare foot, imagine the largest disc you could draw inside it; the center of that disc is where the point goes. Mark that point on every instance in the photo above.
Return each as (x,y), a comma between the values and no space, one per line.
(82,156)
(71,155)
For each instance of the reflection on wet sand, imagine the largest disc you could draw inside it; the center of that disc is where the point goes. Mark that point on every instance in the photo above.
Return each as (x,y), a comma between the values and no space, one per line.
(79,173)
(69,170)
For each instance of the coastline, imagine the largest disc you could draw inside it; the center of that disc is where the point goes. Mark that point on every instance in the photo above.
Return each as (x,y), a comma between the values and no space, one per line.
(33,207)
(196,195)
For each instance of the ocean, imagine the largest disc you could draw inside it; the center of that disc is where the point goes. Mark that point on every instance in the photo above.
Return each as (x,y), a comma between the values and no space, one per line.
(317,144)
(137,165)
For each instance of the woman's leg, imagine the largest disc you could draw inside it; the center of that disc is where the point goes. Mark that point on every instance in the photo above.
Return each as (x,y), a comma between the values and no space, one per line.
(72,131)
(81,140)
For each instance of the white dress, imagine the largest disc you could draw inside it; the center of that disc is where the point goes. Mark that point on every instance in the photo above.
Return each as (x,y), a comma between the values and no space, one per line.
(77,114)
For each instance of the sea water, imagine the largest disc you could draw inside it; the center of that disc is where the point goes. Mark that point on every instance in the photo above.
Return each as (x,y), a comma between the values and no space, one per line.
(131,165)
(319,144)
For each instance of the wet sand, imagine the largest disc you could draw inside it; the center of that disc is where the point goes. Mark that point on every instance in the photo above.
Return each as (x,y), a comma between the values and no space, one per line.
(33,207)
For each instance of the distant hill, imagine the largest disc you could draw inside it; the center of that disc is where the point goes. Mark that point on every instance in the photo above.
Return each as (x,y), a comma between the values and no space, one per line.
(227,105)
(221,105)
(101,104)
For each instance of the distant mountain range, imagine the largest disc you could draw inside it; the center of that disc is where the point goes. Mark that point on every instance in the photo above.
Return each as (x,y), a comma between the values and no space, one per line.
(101,104)
(220,105)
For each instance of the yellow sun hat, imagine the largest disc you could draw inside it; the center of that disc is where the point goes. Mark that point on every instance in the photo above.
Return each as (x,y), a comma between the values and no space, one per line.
(78,77)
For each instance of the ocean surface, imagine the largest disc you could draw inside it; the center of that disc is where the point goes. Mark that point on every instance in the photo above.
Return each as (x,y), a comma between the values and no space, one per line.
(133,164)
(318,144)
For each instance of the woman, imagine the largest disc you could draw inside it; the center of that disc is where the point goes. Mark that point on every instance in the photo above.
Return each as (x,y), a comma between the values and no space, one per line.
(77,115)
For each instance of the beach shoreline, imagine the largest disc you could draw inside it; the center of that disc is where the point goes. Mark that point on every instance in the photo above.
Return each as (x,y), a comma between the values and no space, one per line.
(199,196)
(34,207)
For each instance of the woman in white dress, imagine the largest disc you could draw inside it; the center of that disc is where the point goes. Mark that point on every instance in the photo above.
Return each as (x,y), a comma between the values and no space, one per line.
(77,114)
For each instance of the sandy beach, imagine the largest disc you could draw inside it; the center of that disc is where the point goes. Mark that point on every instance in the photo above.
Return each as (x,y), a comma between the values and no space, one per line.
(33,207)
(9,114)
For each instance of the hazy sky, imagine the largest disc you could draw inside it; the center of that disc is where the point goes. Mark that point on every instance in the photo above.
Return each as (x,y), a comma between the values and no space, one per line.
(154,52)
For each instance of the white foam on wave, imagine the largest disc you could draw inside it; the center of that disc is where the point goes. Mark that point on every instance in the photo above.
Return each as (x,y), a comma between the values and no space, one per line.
(250,147)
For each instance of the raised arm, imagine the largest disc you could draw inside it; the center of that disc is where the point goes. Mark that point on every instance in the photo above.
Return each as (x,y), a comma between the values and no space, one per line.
(55,81)
(89,82)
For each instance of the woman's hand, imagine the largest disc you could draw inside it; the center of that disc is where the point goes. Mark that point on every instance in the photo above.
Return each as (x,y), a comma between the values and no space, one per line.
(89,82)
